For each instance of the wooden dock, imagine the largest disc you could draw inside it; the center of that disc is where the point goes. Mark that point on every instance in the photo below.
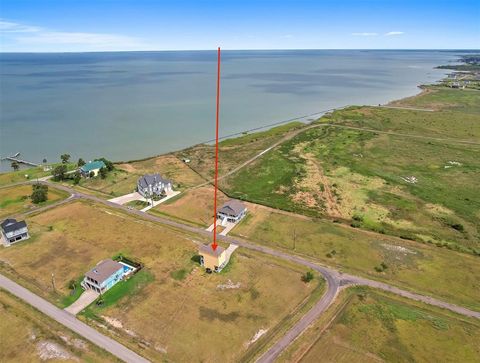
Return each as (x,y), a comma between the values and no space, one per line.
(20,161)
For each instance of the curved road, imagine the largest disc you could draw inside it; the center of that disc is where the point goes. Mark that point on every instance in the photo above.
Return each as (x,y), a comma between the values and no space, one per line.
(334,278)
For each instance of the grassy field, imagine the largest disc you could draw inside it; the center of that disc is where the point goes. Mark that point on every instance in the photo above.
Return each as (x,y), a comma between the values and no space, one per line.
(449,275)
(168,166)
(421,189)
(27,174)
(15,200)
(29,336)
(179,302)
(372,326)
(193,206)
(233,152)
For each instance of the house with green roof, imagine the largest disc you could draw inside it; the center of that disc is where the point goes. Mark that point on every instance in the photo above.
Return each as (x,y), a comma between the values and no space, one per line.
(92,167)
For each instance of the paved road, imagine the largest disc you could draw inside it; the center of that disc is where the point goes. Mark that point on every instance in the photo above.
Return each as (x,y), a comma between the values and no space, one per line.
(71,322)
(333,277)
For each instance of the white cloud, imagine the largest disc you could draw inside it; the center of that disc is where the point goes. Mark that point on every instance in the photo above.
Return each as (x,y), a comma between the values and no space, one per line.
(394,33)
(27,37)
(365,34)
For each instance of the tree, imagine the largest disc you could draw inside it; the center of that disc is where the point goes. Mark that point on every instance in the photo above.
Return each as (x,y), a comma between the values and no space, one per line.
(59,172)
(39,193)
(91,174)
(76,178)
(103,173)
(44,160)
(307,276)
(81,162)
(108,164)
(65,158)
(15,165)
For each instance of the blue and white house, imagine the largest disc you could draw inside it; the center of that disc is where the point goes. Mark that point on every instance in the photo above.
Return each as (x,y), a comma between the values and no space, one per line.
(91,168)
(153,185)
(105,275)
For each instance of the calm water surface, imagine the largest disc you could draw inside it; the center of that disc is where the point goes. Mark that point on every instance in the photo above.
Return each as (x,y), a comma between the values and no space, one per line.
(135,104)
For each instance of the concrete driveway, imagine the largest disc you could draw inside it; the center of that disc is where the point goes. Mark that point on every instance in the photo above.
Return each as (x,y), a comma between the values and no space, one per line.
(127,198)
(88,297)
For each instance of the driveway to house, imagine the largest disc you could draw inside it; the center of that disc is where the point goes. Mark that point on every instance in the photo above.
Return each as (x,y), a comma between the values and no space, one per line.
(334,278)
(87,297)
(170,194)
(71,322)
(124,199)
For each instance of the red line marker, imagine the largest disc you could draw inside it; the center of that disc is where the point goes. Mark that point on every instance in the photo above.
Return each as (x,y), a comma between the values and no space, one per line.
(214,244)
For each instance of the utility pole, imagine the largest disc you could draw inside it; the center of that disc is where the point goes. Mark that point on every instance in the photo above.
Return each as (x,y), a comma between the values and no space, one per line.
(294,238)
(53,282)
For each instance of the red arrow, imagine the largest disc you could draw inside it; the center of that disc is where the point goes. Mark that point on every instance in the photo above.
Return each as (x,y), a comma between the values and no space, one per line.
(214,244)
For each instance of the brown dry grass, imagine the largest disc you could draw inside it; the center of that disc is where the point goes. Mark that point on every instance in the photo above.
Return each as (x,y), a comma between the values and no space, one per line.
(167,313)
(23,328)
(15,200)
(168,166)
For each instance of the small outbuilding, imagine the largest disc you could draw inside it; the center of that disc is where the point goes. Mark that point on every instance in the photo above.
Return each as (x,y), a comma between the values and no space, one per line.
(232,211)
(92,167)
(14,231)
(105,275)
(213,259)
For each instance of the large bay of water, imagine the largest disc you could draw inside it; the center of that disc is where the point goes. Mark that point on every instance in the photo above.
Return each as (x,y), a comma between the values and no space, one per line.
(129,105)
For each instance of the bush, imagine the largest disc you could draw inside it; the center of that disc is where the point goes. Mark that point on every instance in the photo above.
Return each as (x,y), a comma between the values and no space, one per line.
(39,193)
(308,276)
(459,227)
(59,172)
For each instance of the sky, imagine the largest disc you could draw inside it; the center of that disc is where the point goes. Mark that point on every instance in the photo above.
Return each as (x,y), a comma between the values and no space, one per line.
(122,25)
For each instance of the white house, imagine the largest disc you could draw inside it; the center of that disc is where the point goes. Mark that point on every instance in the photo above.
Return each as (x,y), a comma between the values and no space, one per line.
(153,185)
(232,211)
(14,231)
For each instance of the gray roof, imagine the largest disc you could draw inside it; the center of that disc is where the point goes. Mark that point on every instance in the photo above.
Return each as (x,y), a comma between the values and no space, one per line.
(233,207)
(104,270)
(207,249)
(10,225)
(151,179)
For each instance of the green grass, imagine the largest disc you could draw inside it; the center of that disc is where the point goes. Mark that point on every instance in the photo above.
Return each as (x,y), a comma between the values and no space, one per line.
(137,204)
(122,290)
(365,170)
(69,299)
(32,173)
(370,325)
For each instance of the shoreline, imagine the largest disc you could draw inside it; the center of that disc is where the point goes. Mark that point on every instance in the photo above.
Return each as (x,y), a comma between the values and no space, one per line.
(306,119)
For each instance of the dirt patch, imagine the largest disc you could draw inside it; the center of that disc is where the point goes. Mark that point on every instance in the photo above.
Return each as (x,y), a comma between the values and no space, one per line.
(229,285)
(119,325)
(47,350)
(257,336)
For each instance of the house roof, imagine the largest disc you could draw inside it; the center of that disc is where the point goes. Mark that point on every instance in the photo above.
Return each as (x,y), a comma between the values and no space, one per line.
(207,249)
(10,225)
(151,179)
(93,165)
(104,270)
(233,207)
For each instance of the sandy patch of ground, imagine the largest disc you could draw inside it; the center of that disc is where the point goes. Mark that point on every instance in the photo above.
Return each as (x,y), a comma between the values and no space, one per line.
(257,336)
(47,350)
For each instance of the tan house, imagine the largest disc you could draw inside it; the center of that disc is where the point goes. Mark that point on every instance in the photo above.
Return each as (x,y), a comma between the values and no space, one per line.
(214,260)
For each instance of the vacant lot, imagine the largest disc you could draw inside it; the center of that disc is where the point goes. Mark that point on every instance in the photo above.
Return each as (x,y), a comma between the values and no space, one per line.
(168,166)
(178,303)
(409,264)
(15,200)
(193,206)
(233,152)
(27,174)
(29,336)
(373,326)
(417,188)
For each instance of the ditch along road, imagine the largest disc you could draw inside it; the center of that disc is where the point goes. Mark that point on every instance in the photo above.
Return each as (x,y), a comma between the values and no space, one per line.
(335,279)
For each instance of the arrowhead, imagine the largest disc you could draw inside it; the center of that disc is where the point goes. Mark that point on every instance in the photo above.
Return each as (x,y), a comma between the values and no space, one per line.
(214,246)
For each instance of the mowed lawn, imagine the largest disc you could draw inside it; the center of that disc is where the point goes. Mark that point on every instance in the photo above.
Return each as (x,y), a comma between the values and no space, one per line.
(179,312)
(423,268)
(376,327)
(27,335)
(16,199)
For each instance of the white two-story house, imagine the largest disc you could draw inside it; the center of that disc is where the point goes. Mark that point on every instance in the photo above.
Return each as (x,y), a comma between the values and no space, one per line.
(14,231)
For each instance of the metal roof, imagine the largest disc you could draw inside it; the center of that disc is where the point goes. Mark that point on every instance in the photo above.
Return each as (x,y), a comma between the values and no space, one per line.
(97,164)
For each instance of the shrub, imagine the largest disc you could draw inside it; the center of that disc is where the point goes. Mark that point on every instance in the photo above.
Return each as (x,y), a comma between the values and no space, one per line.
(39,193)
(307,276)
